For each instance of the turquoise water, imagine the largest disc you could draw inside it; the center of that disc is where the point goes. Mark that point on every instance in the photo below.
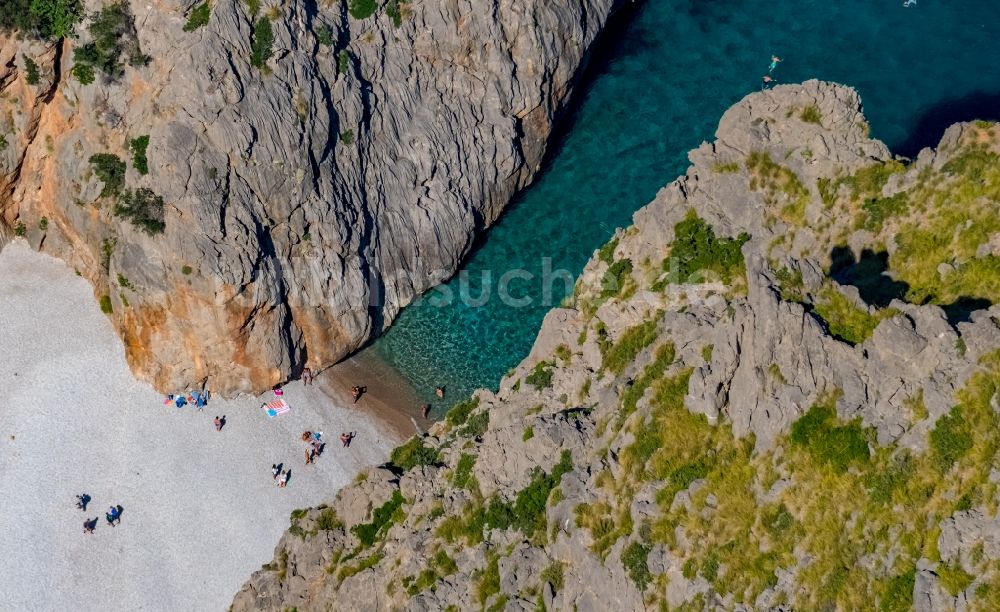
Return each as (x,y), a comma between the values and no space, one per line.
(656,88)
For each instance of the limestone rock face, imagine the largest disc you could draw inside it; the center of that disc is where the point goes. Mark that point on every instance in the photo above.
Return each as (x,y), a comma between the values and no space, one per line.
(646,453)
(306,201)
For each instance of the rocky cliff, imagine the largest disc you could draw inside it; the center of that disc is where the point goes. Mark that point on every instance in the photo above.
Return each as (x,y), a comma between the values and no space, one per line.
(257,186)
(777,390)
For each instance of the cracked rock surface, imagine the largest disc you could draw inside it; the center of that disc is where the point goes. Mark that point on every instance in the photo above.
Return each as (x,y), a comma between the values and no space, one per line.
(305,202)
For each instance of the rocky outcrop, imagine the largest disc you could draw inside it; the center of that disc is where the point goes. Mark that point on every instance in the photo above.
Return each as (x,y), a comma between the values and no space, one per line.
(728,415)
(306,200)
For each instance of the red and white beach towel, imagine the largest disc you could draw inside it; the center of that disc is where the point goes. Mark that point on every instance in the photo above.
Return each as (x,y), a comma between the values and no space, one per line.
(276,407)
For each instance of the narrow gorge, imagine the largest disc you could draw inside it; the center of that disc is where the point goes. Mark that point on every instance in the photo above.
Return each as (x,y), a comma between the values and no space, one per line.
(778,389)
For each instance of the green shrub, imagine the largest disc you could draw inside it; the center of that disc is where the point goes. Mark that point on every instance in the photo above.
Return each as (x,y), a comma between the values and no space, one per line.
(476,426)
(463,470)
(46,19)
(361,9)
(846,321)
(635,560)
(186,270)
(633,340)
(953,578)
(696,254)
(488,579)
(607,252)
(392,9)
(710,569)
(31,76)
(615,278)
(138,146)
(382,519)
(347,137)
(879,210)
(84,73)
(261,45)
(541,376)
(20,229)
(328,520)
(898,595)
(950,439)
(412,454)
(838,446)
(343,61)
(324,35)
(811,114)
(143,209)
(460,412)
(553,575)
(198,17)
(113,32)
(106,306)
(882,484)
(529,433)
(779,185)
(43,224)
(730,168)
(110,169)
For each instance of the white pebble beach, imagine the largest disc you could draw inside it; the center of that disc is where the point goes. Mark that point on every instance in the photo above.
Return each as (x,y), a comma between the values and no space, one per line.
(201,510)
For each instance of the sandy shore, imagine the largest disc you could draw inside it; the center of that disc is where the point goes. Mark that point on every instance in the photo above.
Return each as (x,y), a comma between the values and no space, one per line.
(201,509)
(389,397)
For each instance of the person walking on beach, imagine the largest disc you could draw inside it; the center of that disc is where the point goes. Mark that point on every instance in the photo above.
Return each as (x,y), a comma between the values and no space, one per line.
(346,438)
(275,470)
(112,516)
(356,392)
(283,479)
(90,526)
(82,500)
(426,410)
(218,423)
(310,455)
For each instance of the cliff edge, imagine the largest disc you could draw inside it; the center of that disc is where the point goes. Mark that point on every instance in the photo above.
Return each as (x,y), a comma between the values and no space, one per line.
(253,187)
(777,390)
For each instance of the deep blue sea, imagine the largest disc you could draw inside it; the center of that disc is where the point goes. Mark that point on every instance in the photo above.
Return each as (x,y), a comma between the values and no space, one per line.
(657,84)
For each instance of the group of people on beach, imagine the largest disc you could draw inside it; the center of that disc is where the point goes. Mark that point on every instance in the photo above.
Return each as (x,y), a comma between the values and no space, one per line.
(198,399)
(113,516)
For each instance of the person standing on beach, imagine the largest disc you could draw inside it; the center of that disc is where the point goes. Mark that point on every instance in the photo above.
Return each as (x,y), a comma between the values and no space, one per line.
(90,526)
(218,423)
(307,377)
(283,479)
(275,470)
(356,393)
(426,410)
(82,500)
(310,455)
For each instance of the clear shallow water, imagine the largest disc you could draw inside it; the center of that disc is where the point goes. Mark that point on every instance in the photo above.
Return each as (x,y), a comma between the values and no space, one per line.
(656,88)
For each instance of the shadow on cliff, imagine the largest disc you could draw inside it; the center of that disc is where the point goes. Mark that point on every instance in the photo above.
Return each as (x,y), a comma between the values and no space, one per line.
(936,119)
(868,274)
(615,41)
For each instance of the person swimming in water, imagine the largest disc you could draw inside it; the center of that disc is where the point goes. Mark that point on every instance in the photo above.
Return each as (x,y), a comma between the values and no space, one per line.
(774,64)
